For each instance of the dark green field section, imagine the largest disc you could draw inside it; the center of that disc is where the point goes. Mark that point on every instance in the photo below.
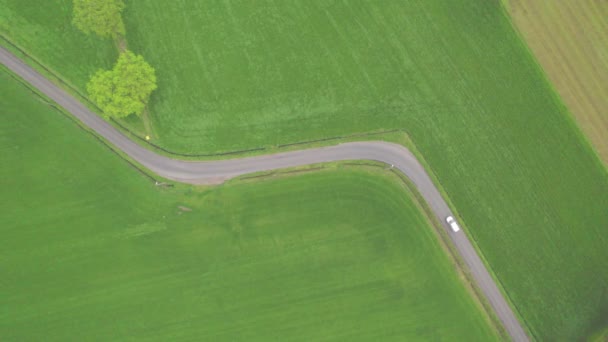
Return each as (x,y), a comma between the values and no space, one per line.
(453,74)
(91,249)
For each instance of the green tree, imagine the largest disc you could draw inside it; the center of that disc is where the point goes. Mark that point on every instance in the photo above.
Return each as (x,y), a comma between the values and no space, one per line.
(101,17)
(126,88)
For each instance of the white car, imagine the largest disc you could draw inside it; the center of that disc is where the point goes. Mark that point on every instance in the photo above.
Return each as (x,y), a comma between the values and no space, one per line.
(450,220)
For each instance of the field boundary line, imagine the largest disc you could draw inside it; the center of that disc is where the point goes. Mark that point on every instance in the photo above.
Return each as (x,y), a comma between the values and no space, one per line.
(578,130)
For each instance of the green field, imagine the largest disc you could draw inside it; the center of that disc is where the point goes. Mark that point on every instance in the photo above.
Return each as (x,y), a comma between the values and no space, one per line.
(453,74)
(44,29)
(90,249)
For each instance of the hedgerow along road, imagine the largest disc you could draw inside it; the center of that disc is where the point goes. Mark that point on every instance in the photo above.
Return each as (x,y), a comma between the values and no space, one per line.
(217,171)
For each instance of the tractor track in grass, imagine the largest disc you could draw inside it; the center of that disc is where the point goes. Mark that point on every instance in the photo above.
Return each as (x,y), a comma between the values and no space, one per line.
(218,171)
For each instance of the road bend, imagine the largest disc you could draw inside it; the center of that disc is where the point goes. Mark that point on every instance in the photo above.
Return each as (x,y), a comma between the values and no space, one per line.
(217,171)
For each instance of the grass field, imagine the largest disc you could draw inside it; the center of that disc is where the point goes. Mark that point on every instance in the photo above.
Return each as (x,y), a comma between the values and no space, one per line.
(243,75)
(570,40)
(44,28)
(91,249)
(454,74)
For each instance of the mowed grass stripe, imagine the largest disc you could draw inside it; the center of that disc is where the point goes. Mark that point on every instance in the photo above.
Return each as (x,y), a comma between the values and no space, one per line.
(91,249)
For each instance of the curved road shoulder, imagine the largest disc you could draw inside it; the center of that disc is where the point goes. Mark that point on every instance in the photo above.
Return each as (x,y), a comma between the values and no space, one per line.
(206,172)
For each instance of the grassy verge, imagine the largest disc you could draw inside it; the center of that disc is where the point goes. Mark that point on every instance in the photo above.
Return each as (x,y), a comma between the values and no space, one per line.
(91,248)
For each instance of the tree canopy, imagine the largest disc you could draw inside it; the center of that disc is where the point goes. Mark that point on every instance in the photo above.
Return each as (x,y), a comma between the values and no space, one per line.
(101,17)
(126,88)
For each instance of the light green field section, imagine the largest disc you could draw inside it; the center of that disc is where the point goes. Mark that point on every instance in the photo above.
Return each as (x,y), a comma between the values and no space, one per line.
(454,74)
(570,40)
(91,249)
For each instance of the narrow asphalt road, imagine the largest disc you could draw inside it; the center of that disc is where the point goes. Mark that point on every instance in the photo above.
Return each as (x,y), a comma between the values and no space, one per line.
(201,172)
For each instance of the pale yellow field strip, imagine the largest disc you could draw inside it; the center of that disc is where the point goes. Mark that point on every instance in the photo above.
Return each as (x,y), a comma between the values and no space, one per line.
(570,40)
